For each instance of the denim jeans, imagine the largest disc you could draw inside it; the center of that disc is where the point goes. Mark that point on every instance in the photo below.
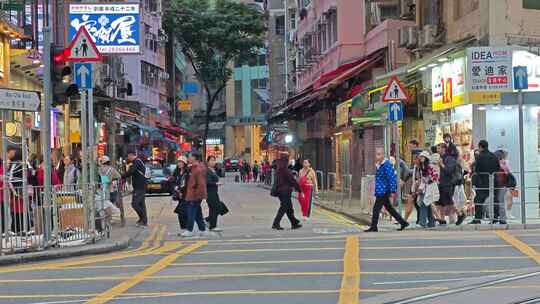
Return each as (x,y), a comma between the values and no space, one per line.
(194,214)
(425,215)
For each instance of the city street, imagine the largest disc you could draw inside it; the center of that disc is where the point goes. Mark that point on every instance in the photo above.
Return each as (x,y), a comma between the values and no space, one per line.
(329,260)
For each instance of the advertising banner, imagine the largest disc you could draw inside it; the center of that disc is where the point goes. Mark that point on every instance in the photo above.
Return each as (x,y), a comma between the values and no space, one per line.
(489,73)
(448,85)
(115,28)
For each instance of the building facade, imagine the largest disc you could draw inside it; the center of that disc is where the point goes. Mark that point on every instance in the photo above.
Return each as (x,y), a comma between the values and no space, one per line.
(340,46)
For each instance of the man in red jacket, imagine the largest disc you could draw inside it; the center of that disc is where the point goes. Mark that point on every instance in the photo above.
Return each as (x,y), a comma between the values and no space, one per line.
(195,193)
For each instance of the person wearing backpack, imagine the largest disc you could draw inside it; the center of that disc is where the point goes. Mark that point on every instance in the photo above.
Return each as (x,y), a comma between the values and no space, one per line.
(138,172)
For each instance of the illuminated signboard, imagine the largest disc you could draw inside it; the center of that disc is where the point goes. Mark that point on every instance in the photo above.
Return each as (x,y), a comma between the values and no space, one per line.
(115,28)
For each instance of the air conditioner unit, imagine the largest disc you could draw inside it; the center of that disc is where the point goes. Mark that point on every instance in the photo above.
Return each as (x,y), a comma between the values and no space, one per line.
(428,36)
(403,36)
(407,9)
(412,37)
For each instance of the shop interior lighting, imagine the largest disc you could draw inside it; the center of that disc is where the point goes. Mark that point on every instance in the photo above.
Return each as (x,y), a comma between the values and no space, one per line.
(338,133)
(423,68)
(36,61)
(41,65)
(482,108)
(431,65)
(442,59)
(508,108)
(288,138)
(495,108)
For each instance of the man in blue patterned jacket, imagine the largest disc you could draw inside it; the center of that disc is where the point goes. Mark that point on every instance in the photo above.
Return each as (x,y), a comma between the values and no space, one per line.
(385,187)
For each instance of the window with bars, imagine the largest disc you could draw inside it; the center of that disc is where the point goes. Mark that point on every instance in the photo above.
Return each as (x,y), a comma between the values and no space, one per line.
(280,25)
(149,74)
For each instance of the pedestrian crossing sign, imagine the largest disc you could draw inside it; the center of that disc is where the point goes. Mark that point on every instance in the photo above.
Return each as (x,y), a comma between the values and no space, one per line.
(395,91)
(82,48)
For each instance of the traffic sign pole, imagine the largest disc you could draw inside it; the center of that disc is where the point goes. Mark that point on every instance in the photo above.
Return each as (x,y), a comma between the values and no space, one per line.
(521,157)
(521,82)
(46,132)
(91,152)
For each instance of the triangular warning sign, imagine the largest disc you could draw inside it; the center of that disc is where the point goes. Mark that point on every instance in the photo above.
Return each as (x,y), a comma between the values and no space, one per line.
(395,91)
(82,48)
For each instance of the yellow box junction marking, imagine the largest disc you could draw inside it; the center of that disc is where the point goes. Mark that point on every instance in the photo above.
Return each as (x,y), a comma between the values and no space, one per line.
(519,245)
(141,276)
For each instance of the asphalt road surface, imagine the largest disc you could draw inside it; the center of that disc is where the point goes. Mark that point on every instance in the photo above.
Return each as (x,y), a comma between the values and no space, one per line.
(329,260)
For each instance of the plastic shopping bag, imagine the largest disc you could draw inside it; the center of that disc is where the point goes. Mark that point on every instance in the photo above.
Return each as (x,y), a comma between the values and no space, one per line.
(459,197)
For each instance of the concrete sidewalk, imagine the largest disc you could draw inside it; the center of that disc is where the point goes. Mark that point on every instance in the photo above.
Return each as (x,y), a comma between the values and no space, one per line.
(121,238)
(347,208)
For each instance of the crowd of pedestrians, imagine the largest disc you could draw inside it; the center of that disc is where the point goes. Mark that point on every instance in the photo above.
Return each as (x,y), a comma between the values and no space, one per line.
(257,173)
(441,186)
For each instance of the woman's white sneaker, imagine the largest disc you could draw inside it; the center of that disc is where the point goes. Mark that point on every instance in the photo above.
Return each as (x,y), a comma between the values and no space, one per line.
(187,234)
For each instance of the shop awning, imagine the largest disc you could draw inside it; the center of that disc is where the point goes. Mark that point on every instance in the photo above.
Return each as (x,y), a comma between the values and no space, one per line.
(174,129)
(352,71)
(127,113)
(373,116)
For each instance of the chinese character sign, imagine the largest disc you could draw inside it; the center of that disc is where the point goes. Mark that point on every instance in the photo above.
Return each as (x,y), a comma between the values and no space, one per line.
(115,28)
(448,84)
(489,71)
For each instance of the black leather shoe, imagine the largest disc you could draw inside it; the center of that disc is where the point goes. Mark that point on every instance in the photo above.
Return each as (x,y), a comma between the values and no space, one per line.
(371,230)
(403,226)
(297,226)
(460,219)
(277,227)
(475,222)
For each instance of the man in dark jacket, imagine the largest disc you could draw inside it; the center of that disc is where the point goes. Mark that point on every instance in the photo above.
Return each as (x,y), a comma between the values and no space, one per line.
(285,185)
(138,181)
(486,163)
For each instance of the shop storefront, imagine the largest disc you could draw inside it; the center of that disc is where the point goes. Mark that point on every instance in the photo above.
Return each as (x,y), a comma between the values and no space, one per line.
(343,139)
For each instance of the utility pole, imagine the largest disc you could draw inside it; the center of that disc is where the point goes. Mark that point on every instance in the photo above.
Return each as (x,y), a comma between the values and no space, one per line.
(46,130)
(286,46)
(114,155)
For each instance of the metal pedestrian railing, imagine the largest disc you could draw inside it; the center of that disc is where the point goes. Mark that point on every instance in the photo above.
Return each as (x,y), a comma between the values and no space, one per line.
(78,214)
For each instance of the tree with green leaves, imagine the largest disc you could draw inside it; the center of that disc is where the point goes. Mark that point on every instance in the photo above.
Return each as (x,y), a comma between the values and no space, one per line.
(212,35)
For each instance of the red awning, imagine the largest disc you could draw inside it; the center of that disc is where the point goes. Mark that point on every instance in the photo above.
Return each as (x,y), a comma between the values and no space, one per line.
(333,74)
(355,70)
(174,129)
(127,113)
(355,90)
(169,136)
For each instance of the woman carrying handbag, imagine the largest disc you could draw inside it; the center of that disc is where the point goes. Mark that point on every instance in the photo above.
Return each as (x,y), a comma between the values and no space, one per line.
(428,191)
(180,180)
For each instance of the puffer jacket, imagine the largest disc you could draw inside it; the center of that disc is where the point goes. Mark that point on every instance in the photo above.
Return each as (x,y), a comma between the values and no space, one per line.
(385,179)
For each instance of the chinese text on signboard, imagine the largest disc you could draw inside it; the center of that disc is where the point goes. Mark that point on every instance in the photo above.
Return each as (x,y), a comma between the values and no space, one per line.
(115,28)
(489,72)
